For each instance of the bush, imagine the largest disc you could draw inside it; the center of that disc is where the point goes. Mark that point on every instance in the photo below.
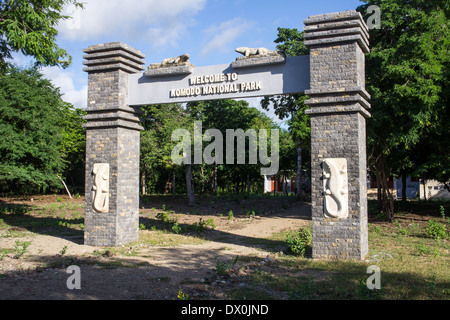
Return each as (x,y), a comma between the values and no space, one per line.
(436,230)
(299,242)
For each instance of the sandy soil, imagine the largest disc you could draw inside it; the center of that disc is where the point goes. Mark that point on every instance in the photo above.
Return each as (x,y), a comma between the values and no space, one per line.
(143,271)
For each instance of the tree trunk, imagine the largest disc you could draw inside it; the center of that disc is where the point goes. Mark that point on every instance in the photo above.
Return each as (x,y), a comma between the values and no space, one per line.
(386,196)
(190,185)
(299,171)
(404,186)
(215,179)
(173,183)
(143,187)
(424,188)
(379,199)
(248,184)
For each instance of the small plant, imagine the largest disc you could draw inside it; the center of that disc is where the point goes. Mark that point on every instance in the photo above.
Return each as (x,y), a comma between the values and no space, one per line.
(20,248)
(163,207)
(403,231)
(442,211)
(422,249)
(182,295)
(176,228)
(142,226)
(164,217)
(376,229)
(230,215)
(250,213)
(299,242)
(436,230)
(63,251)
(210,223)
(200,225)
(222,268)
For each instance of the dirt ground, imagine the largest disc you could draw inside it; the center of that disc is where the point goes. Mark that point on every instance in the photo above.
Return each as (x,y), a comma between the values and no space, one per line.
(147,269)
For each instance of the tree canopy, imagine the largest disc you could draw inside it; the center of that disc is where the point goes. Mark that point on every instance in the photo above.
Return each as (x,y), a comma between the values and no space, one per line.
(29,26)
(407,75)
(31,111)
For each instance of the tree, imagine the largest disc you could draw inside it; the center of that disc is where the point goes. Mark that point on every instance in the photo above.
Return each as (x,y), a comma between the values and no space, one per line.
(31,111)
(29,26)
(221,115)
(407,76)
(73,145)
(291,41)
(156,166)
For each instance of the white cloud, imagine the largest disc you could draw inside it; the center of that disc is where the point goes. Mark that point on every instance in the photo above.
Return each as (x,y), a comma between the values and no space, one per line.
(63,79)
(221,36)
(129,19)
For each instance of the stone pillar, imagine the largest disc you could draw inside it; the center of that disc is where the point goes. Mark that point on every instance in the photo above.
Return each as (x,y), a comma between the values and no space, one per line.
(112,146)
(338,101)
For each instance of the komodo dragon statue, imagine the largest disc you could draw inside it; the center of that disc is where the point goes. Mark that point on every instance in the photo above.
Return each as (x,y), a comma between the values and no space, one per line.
(169,62)
(248,52)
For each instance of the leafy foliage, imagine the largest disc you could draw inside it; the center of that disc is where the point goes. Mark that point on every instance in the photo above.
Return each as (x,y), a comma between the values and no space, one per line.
(407,76)
(299,242)
(29,26)
(31,111)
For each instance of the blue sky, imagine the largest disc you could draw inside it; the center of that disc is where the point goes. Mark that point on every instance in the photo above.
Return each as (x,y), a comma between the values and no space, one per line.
(209,30)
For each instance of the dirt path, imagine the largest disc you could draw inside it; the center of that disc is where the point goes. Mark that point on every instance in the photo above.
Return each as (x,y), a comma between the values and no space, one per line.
(148,272)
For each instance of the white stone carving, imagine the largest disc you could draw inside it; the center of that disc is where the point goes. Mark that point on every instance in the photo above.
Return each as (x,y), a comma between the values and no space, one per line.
(248,52)
(182,60)
(100,190)
(335,187)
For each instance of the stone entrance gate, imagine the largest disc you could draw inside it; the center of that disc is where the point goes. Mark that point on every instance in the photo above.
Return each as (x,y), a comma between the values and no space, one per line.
(333,76)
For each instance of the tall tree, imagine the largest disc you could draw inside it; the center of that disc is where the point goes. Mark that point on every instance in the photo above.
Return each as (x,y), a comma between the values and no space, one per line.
(29,26)
(407,76)
(292,107)
(31,111)
(73,145)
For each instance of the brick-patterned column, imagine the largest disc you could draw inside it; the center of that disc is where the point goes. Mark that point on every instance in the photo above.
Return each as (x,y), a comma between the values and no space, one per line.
(112,146)
(338,101)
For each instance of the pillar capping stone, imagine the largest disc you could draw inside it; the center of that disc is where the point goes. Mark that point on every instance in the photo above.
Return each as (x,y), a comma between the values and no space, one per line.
(345,26)
(113,56)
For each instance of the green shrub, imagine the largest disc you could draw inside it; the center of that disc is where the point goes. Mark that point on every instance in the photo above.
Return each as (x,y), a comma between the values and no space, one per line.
(20,248)
(436,230)
(299,242)
(176,228)
(210,223)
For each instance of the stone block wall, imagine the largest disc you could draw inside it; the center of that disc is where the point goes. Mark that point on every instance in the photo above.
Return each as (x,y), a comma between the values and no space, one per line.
(113,138)
(339,108)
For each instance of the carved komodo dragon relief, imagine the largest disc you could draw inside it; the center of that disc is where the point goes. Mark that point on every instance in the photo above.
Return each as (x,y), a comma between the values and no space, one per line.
(335,188)
(249,52)
(101,187)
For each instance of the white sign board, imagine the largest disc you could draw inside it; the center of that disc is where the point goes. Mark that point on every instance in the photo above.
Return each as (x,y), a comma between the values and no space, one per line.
(221,82)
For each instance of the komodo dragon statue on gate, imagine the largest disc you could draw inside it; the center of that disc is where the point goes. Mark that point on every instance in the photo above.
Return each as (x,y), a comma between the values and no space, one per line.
(250,52)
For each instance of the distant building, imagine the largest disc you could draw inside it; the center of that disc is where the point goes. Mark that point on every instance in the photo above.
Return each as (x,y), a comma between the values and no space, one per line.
(412,187)
(434,190)
(416,188)
(278,185)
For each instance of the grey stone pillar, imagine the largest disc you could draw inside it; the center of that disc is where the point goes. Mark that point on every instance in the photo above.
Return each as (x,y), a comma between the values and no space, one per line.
(112,146)
(338,101)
